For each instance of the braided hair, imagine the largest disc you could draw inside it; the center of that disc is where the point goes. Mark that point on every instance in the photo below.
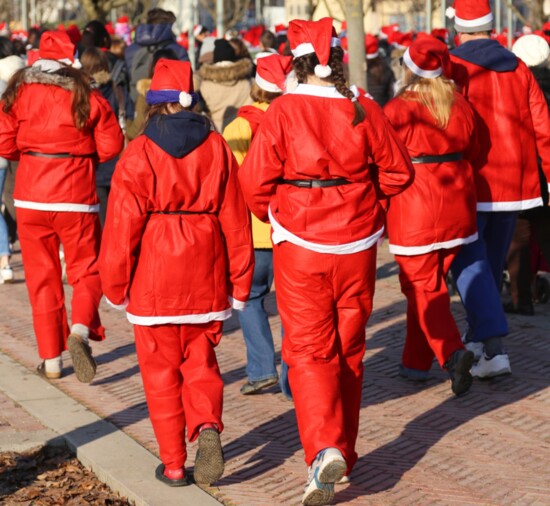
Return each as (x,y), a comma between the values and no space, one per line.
(304,66)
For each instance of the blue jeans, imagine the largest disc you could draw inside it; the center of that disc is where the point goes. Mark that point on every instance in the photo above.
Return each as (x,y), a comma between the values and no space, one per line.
(4,242)
(260,353)
(477,270)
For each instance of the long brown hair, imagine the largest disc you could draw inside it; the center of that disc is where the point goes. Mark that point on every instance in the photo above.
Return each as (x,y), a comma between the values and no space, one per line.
(304,66)
(80,90)
(437,94)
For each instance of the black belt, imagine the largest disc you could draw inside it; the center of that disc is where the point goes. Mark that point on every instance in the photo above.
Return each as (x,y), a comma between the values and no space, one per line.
(316,183)
(55,155)
(450,157)
(179,212)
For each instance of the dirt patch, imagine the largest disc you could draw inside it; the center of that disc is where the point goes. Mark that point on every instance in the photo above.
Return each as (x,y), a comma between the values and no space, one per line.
(51,476)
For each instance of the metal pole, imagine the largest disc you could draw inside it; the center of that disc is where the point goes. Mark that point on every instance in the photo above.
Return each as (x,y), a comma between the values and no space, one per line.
(498,16)
(443,14)
(428,16)
(510,24)
(24,15)
(219,19)
(259,13)
(191,35)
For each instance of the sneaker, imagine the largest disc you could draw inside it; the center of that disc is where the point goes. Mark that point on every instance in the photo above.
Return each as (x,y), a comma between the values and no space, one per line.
(475,347)
(172,478)
(253,387)
(209,462)
(49,375)
(6,274)
(498,365)
(328,468)
(413,374)
(81,355)
(458,367)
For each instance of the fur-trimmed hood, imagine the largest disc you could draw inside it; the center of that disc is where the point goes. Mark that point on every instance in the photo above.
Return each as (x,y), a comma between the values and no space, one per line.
(143,86)
(102,77)
(226,72)
(34,75)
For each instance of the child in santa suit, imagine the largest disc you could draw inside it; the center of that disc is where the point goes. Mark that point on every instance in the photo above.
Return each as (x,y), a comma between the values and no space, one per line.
(177,254)
(430,220)
(308,173)
(60,129)
(269,84)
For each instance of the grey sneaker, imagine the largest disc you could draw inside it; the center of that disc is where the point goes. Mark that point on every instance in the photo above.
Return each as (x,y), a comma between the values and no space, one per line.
(327,469)
(253,387)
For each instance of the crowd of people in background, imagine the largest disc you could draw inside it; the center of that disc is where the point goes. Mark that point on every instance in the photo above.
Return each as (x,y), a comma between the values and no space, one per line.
(180,191)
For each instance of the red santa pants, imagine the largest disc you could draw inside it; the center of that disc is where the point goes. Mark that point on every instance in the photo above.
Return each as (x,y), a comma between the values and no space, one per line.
(40,233)
(182,383)
(431,328)
(325,301)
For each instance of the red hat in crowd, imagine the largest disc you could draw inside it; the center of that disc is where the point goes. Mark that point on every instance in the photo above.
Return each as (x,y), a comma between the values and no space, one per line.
(74,34)
(472,16)
(317,37)
(56,46)
(280,29)
(441,33)
(371,46)
(403,40)
(253,34)
(427,57)
(390,32)
(172,82)
(271,72)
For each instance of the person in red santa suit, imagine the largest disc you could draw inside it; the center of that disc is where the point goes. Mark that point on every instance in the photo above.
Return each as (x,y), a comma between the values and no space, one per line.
(177,254)
(513,127)
(436,125)
(60,129)
(308,173)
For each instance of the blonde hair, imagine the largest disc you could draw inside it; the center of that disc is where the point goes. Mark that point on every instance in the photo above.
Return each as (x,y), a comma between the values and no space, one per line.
(437,94)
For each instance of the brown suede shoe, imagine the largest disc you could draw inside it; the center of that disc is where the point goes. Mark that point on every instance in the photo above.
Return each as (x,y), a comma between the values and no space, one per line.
(81,355)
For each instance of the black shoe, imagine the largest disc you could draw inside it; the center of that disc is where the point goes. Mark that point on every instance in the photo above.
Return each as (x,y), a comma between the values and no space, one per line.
(522,309)
(458,367)
(253,387)
(159,475)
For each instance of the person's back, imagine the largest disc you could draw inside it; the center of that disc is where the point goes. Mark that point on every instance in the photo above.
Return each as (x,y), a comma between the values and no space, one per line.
(507,100)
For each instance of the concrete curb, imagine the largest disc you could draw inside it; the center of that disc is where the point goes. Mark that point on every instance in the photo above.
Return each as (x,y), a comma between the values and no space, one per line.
(117,460)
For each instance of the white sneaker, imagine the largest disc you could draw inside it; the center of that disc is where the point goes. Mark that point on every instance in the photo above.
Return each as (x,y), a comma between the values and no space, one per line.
(475,348)
(491,367)
(328,467)
(6,274)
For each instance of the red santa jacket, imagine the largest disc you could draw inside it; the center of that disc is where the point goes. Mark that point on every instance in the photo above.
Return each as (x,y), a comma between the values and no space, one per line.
(439,209)
(41,122)
(177,240)
(308,135)
(513,125)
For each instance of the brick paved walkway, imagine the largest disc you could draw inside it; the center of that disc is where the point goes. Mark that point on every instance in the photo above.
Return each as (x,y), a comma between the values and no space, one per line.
(418,445)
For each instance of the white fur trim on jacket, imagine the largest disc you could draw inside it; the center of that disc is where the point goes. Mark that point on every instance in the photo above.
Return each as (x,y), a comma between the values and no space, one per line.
(148,321)
(62,207)
(281,234)
(421,250)
(315,90)
(236,304)
(520,205)
(120,307)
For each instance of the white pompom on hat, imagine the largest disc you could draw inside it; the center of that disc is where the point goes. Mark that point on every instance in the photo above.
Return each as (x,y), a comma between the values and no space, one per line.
(473,16)
(272,71)
(533,50)
(306,37)
(172,83)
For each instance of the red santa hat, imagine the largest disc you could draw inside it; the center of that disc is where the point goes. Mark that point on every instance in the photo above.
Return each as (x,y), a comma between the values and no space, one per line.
(427,57)
(389,31)
(441,33)
(371,46)
(280,29)
(472,16)
(56,46)
(403,40)
(271,72)
(317,37)
(172,83)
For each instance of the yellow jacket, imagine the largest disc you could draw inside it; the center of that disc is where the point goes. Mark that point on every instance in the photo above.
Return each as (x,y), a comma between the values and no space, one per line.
(238,135)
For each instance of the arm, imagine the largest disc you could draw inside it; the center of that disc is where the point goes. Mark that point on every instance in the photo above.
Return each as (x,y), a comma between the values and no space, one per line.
(108,136)
(126,216)
(262,168)
(394,172)
(235,226)
(8,135)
